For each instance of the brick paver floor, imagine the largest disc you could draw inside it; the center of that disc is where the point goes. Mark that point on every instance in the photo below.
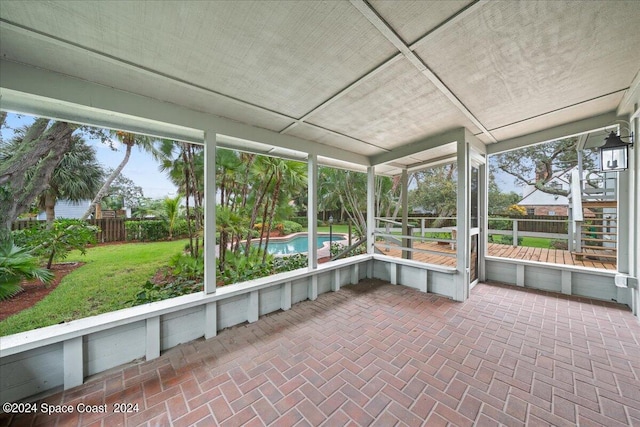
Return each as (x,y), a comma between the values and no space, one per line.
(378,354)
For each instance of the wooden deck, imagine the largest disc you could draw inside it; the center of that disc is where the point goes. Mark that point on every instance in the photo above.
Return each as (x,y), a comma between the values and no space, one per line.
(445,255)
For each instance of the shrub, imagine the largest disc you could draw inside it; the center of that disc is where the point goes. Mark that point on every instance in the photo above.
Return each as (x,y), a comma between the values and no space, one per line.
(239,268)
(289,227)
(184,276)
(56,242)
(302,220)
(500,224)
(147,230)
(17,263)
(517,210)
(337,248)
(290,263)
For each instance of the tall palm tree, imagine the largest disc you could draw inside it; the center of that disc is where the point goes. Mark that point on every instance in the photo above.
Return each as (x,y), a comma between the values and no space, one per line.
(172,211)
(77,177)
(144,142)
(290,178)
(184,163)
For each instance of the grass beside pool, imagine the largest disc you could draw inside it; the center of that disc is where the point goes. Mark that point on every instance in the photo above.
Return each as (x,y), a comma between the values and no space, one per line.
(338,228)
(112,275)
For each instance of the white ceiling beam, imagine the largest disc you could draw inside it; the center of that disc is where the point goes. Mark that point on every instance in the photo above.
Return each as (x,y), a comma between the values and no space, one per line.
(447,23)
(385,29)
(563,131)
(93,101)
(419,146)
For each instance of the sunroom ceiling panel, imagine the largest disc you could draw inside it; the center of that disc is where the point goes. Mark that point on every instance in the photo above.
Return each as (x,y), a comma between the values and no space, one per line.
(396,106)
(567,115)
(413,19)
(334,140)
(66,60)
(281,55)
(511,61)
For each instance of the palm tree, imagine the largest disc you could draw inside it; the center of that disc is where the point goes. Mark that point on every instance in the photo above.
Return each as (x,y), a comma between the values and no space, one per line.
(172,212)
(144,142)
(77,177)
(290,177)
(184,163)
(17,263)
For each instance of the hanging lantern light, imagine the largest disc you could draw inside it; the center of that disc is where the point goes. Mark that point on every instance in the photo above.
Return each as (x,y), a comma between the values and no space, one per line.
(614,154)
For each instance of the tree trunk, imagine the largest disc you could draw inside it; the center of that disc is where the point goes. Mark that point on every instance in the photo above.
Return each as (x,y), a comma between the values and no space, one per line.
(49,208)
(274,203)
(40,152)
(105,187)
(254,216)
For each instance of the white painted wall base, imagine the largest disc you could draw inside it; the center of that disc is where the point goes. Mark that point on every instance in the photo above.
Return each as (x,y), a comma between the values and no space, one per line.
(63,355)
(569,280)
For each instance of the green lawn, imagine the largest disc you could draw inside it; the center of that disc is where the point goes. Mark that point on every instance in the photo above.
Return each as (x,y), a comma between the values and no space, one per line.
(536,242)
(112,275)
(338,228)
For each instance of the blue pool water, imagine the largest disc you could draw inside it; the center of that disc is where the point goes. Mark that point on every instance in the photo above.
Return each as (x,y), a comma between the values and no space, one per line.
(295,245)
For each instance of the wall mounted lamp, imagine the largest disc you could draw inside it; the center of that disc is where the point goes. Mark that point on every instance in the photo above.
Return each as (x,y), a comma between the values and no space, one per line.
(614,154)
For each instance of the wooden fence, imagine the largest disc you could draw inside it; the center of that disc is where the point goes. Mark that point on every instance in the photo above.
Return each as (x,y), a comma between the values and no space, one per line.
(111,229)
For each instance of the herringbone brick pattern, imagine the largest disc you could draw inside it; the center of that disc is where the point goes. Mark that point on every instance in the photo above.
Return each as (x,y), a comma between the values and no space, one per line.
(378,354)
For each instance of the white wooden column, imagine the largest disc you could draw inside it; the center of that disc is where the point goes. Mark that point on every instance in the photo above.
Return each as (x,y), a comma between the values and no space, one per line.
(634,207)
(371,206)
(210,212)
(462,223)
(483,222)
(406,243)
(312,210)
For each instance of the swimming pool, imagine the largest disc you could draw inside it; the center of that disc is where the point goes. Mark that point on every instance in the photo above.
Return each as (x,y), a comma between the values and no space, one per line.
(299,243)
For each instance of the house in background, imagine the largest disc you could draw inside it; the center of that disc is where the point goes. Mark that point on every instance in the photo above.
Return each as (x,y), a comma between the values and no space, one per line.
(67,209)
(538,202)
(75,210)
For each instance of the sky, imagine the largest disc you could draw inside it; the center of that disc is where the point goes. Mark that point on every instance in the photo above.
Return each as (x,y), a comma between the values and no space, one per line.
(141,168)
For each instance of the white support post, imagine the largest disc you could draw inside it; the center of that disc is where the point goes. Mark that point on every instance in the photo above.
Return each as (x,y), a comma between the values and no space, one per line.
(566,282)
(634,209)
(406,243)
(312,291)
(519,274)
(483,222)
(211,320)
(73,362)
(355,274)
(371,203)
(210,212)
(312,210)
(153,338)
(625,227)
(463,223)
(514,238)
(285,296)
(335,285)
(394,273)
(253,306)
(424,283)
